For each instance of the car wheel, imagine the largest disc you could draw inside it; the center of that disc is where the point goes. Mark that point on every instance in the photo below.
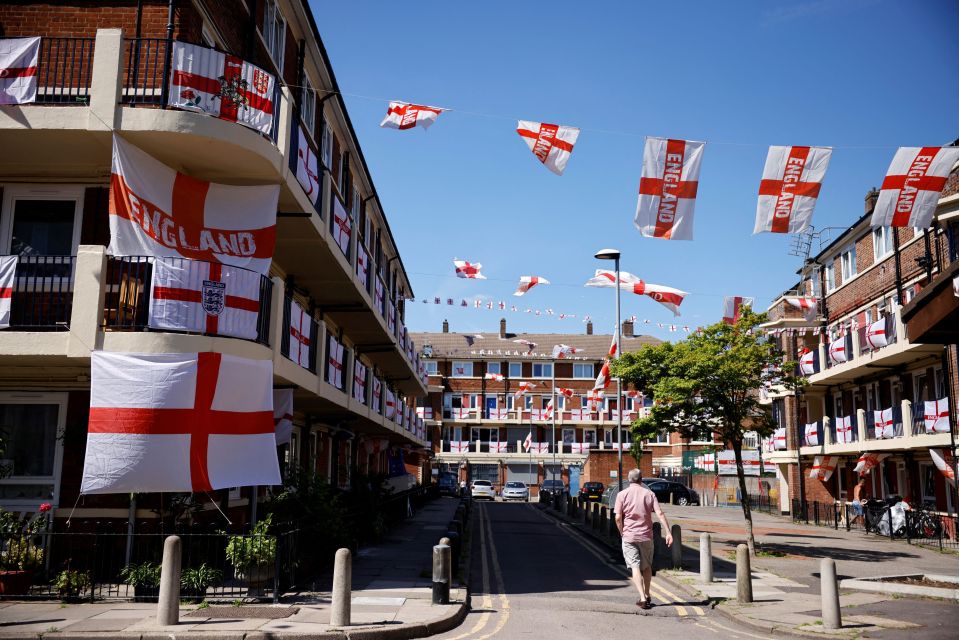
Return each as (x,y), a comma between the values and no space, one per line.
(683,501)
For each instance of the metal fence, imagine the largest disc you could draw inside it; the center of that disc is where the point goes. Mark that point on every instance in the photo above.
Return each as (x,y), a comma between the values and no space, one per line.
(42,296)
(65,67)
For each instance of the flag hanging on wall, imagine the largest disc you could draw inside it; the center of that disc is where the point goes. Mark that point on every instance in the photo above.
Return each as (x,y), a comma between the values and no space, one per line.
(470,270)
(18,70)
(809,306)
(732,308)
(935,415)
(283,415)
(551,143)
(301,335)
(942,458)
(667,189)
(403,115)
(822,468)
(790,186)
(8,273)
(179,422)
(304,164)
(528,282)
(910,191)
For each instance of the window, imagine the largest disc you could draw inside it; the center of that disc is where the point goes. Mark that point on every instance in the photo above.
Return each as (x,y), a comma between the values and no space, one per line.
(206,35)
(830,276)
(569,436)
(326,147)
(661,438)
(609,436)
(44,221)
(432,367)
(583,371)
(881,242)
(509,401)
(560,403)
(528,401)
(515,369)
(462,370)
(31,426)
(493,367)
(274,32)
(542,369)
(848,260)
(308,104)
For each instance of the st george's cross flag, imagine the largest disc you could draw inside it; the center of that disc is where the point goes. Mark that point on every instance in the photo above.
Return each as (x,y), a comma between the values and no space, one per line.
(204,297)
(779,439)
(878,333)
(667,189)
(910,191)
(221,85)
(552,144)
(732,308)
(563,351)
(809,362)
(402,115)
(179,422)
(342,225)
(868,461)
(839,350)
(495,377)
(935,415)
(844,430)
(808,305)
(528,282)
(790,186)
(943,460)
(523,388)
(8,275)
(603,379)
(157,211)
(469,270)
(18,70)
(822,468)
(812,433)
(359,381)
(283,415)
(667,296)
(884,423)
(301,335)
(304,164)
(335,363)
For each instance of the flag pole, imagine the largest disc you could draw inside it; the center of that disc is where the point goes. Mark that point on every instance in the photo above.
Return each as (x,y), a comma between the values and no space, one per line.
(619,387)
(553,391)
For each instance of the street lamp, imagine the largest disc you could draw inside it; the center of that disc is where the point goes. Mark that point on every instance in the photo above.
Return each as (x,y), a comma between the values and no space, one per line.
(613,254)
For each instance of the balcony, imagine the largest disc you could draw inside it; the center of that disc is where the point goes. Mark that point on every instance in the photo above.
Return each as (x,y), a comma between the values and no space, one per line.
(536,416)
(570,451)
(42,294)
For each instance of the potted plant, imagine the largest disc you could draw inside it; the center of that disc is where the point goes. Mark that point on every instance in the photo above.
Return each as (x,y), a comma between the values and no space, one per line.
(70,584)
(253,555)
(196,580)
(20,551)
(145,579)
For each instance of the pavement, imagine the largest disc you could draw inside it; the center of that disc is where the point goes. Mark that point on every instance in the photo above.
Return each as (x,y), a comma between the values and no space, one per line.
(392,594)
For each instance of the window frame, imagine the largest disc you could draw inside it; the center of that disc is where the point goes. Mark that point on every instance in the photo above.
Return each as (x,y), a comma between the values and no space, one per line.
(830,276)
(308,104)
(847,263)
(268,33)
(509,368)
(497,365)
(542,366)
(13,193)
(61,399)
(591,369)
(432,367)
(886,239)
(453,373)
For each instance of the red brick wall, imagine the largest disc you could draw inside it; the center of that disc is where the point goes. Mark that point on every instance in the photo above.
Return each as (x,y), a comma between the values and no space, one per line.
(601,462)
(78,19)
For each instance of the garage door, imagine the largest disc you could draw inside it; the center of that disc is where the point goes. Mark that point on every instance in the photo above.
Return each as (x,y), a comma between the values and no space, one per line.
(485,472)
(519,472)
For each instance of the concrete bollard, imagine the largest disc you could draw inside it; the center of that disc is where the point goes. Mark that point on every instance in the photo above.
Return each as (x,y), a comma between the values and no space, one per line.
(677,547)
(658,546)
(444,540)
(744,577)
(442,566)
(705,558)
(342,589)
(829,590)
(168,605)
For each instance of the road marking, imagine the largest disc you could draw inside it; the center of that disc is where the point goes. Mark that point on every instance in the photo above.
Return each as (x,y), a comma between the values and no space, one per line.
(487,600)
(735,631)
(500,585)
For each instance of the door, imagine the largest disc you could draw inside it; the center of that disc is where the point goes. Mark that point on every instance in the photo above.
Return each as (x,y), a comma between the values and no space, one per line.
(574,470)
(490,404)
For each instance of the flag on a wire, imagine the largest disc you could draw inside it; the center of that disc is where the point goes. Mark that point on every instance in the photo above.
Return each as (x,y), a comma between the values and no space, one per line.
(528,282)
(667,189)
(910,191)
(732,308)
(466,269)
(403,115)
(790,186)
(552,144)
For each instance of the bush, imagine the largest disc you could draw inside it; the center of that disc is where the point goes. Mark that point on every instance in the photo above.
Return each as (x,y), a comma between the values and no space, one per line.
(146,574)
(256,549)
(70,583)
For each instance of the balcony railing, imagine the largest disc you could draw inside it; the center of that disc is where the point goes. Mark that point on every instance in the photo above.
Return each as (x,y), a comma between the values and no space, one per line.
(65,68)
(128,286)
(42,296)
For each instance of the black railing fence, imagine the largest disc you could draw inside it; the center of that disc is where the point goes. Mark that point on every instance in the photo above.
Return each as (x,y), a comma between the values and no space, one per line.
(65,67)
(42,296)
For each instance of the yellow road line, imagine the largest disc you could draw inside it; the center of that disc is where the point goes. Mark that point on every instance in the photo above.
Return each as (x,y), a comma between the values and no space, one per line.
(500,586)
(487,600)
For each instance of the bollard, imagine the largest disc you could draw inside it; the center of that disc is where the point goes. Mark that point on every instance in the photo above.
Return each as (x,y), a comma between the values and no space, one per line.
(168,605)
(444,540)
(829,590)
(705,558)
(677,547)
(342,589)
(441,574)
(744,578)
(657,546)
(455,550)
(672,498)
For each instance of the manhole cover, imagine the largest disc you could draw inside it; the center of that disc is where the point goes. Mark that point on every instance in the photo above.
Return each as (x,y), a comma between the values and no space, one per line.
(229,611)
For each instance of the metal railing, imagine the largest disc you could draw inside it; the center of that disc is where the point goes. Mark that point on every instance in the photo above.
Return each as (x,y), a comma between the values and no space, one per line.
(64,70)
(42,296)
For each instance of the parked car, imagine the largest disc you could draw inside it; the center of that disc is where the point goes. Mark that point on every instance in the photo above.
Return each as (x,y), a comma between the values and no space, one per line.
(666,489)
(515,491)
(550,488)
(591,491)
(609,496)
(483,489)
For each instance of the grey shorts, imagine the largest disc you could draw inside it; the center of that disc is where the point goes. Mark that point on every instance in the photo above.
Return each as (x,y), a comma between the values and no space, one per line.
(638,554)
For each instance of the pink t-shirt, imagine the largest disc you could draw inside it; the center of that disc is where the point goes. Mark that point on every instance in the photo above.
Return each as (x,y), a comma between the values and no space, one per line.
(637,504)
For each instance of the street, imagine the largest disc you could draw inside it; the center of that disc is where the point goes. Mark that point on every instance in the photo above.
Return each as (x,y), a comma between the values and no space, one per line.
(532,577)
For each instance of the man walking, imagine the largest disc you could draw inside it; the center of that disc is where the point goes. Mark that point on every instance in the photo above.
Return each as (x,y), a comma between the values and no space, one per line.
(635,506)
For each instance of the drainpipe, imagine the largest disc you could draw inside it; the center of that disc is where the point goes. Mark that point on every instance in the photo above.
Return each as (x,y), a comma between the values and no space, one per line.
(168,58)
(947,376)
(895,244)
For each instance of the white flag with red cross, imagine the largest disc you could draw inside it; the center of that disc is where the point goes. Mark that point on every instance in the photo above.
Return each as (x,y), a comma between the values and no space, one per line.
(495,377)
(790,186)
(335,362)
(822,468)
(667,189)
(779,439)
(667,296)
(844,430)
(403,115)
(528,441)
(221,85)
(204,297)
(18,70)
(526,283)
(179,422)
(910,191)
(363,268)
(885,424)
(935,415)
(943,460)
(157,211)
(732,308)
(868,461)
(838,350)
(563,351)
(283,415)
(812,434)
(342,226)
(603,379)
(359,381)
(376,395)
(470,270)
(8,277)
(523,388)
(301,335)
(809,306)
(304,163)
(552,144)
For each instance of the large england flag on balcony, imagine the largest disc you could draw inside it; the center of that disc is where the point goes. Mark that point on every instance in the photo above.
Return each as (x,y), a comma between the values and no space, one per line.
(551,143)
(18,70)
(910,191)
(667,189)
(204,297)
(157,211)
(221,85)
(790,186)
(179,422)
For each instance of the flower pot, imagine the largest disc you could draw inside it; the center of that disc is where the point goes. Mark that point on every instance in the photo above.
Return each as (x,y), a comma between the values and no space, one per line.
(144,593)
(256,576)
(15,582)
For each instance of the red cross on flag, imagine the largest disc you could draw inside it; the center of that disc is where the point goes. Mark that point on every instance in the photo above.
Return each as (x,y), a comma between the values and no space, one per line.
(528,441)
(563,351)
(603,379)
(523,388)
(8,273)
(283,415)
(790,186)
(204,297)
(779,439)
(526,283)
(363,268)
(910,191)
(179,422)
(943,460)
(936,416)
(812,434)
(466,269)
(867,461)
(335,360)
(667,296)
(667,189)
(301,335)
(18,70)
(552,144)
(876,334)
(822,468)
(376,394)
(809,362)
(844,432)
(304,163)
(221,85)
(156,211)
(809,306)
(594,398)
(732,308)
(403,115)
(342,226)
(359,381)
(885,424)
(495,377)
(837,350)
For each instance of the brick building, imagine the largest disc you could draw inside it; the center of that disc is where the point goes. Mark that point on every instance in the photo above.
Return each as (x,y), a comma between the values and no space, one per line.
(102,72)
(861,361)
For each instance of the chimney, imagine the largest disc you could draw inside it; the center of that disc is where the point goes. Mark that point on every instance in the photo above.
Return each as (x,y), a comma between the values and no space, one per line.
(589,327)
(502,327)
(871,198)
(446,326)
(627,328)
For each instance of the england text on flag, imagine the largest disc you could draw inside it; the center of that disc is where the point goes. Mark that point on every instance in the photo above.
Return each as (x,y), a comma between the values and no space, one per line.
(301,335)
(910,191)
(179,422)
(466,269)
(221,85)
(283,415)
(156,211)
(791,181)
(204,297)
(402,115)
(732,308)
(18,70)
(667,189)
(8,273)
(528,282)
(551,143)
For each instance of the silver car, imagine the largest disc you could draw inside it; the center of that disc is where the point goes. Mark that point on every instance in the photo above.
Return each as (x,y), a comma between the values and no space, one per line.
(515,491)
(483,489)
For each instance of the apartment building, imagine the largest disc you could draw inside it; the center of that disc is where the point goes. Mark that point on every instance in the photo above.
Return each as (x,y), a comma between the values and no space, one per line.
(481,430)
(103,71)
(874,391)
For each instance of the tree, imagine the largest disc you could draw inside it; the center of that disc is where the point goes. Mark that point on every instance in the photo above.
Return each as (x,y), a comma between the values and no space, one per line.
(710,382)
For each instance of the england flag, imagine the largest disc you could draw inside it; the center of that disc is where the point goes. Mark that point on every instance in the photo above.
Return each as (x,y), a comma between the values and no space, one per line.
(552,144)
(8,273)
(732,308)
(526,283)
(304,164)
(469,270)
(403,115)
(790,186)
(667,189)
(283,415)
(911,188)
(301,335)
(18,70)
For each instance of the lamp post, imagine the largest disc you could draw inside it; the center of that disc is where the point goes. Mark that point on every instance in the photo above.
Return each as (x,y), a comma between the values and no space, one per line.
(613,254)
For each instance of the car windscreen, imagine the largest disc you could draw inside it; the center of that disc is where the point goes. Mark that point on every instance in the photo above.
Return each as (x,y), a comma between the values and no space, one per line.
(515,485)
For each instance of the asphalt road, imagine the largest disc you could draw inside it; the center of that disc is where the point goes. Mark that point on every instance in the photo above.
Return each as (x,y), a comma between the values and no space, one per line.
(534,577)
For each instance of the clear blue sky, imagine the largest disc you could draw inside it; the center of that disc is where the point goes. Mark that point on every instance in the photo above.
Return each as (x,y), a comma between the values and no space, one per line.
(862,76)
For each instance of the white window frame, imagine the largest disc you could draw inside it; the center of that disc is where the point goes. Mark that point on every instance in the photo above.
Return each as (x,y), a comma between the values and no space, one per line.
(271,12)
(510,369)
(432,367)
(453,373)
(882,243)
(494,367)
(12,193)
(847,261)
(326,145)
(308,104)
(542,366)
(661,438)
(830,276)
(60,399)
(589,436)
(581,365)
